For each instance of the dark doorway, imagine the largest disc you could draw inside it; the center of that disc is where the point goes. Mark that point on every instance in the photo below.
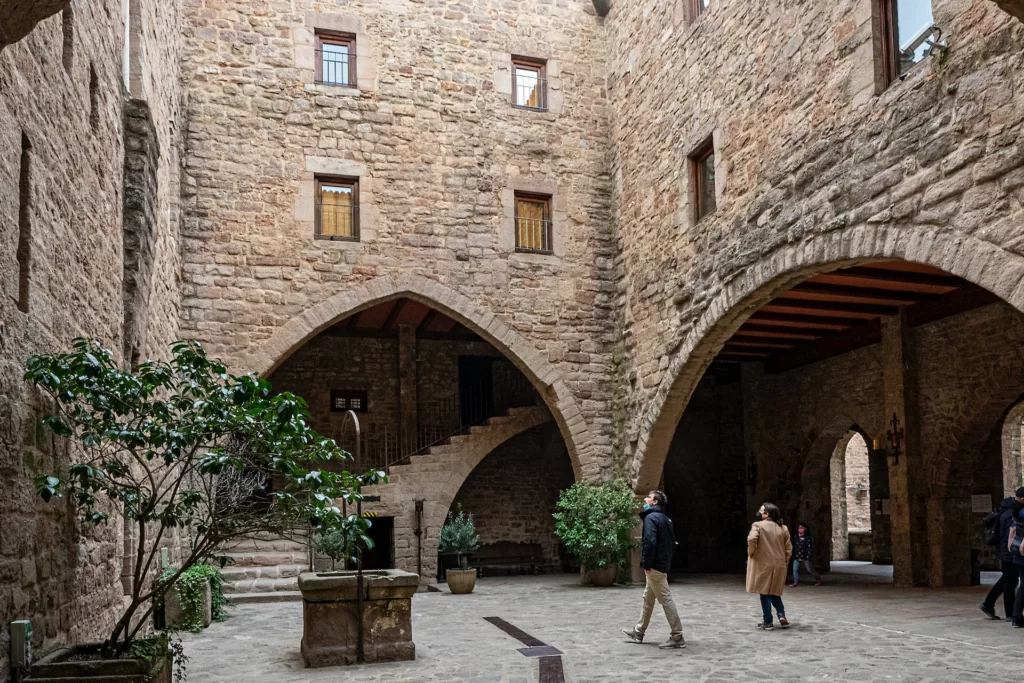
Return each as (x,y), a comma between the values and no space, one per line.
(476,389)
(382,555)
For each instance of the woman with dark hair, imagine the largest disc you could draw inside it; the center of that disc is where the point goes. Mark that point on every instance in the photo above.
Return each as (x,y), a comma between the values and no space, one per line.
(769,549)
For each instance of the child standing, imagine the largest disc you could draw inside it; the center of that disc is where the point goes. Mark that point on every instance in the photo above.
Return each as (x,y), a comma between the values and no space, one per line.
(802,555)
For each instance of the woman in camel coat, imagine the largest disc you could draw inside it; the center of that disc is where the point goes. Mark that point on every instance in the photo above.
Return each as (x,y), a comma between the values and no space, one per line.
(768,550)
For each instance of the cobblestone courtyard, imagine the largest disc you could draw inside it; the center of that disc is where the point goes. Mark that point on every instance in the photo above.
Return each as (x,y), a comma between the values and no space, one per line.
(855,628)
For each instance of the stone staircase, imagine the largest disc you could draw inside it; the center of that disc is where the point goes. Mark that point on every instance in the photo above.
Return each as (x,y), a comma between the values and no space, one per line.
(265,569)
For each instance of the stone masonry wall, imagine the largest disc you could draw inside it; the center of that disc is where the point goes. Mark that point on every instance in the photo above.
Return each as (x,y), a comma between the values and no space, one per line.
(858,501)
(437,147)
(512,493)
(61,101)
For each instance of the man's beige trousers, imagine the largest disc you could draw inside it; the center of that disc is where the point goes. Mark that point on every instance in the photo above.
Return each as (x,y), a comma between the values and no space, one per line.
(657,589)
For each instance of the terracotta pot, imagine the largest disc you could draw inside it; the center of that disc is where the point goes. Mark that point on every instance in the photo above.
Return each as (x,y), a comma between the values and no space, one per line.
(56,667)
(461,581)
(603,577)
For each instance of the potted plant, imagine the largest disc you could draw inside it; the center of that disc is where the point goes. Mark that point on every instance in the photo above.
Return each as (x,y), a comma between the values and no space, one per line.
(595,523)
(197,599)
(458,537)
(165,447)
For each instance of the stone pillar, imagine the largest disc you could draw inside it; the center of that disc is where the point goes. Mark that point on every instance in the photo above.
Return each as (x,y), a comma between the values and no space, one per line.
(407,377)
(752,380)
(908,509)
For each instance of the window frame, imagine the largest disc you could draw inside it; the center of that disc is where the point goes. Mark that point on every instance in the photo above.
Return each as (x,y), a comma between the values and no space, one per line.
(339,181)
(339,39)
(348,395)
(697,160)
(696,10)
(540,67)
(540,198)
(890,39)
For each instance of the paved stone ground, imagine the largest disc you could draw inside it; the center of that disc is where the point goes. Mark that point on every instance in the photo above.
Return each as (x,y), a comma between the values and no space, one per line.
(855,628)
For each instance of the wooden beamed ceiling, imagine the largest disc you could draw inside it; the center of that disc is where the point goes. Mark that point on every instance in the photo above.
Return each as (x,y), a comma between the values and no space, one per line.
(837,312)
(383,320)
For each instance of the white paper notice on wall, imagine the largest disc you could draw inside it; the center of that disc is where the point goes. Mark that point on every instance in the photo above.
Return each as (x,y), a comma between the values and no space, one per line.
(981,503)
(885,506)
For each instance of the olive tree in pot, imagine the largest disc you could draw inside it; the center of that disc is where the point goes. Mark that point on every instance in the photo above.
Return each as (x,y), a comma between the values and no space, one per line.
(458,537)
(595,523)
(165,447)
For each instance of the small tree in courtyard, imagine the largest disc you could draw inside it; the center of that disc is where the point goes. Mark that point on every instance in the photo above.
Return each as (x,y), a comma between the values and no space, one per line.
(595,523)
(184,446)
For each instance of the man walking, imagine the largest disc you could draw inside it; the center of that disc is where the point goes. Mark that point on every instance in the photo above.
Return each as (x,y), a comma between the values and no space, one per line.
(1007,583)
(659,543)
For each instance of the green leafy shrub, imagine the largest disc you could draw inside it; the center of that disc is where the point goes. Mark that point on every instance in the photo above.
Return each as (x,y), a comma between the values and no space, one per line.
(185,445)
(191,588)
(458,535)
(341,546)
(595,523)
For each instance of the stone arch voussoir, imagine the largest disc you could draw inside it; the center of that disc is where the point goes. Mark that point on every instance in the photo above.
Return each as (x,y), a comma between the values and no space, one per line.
(982,263)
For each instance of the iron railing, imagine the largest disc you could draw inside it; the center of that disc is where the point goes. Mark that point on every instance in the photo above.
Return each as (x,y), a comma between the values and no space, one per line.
(530,92)
(336,221)
(334,67)
(384,446)
(533,235)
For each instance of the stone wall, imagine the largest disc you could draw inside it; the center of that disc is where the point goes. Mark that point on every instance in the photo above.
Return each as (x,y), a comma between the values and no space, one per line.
(61,192)
(858,502)
(512,493)
(437,147)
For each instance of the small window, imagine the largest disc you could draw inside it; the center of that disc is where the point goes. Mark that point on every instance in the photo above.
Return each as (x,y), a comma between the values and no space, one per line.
(703,162)
(337,208)
(698,7)
(533,223)
(336,59)
(349,400)
(906,27)
(529,84)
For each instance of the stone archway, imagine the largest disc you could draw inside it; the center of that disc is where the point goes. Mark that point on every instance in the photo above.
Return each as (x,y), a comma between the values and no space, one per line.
(554,391)
(979,262)
(1013,424)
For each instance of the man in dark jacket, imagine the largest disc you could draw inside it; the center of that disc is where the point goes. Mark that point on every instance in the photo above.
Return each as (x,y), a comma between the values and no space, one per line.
(659,543)
(1007,583)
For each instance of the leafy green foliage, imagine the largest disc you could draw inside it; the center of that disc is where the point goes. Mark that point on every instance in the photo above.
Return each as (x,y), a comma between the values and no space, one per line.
(595,523)
(191,588)
(159,645)
(168,445)
(341,546)
(458,535)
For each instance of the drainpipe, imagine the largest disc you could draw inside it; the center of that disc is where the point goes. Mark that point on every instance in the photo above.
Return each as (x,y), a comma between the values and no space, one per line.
(419,538)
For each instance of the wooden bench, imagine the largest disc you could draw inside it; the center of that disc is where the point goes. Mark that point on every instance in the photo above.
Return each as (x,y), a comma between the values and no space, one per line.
(506,557)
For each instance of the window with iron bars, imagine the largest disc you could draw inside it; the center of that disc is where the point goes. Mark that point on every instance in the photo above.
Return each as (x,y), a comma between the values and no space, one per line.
(336,209)
(529,84)
(335,59)
(533,223)
(349,400)
(703,172)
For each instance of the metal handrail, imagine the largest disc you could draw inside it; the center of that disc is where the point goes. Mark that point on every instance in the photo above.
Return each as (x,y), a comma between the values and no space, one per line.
(529,89)
(335,68)
(336,221)
(530,232)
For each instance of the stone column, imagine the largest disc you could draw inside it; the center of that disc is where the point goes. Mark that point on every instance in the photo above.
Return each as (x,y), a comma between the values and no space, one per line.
(908,510)
(752,382)
(407,396)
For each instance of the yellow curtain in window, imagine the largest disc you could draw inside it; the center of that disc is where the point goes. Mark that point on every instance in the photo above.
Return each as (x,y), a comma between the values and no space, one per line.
(530,227)
(336,211)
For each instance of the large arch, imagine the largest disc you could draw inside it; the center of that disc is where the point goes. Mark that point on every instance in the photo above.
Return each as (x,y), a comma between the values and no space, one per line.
(556,394)
(979,262)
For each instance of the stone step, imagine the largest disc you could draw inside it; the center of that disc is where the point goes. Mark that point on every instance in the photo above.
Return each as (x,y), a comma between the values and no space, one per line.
(276,596)
(253,545)
(280,571)
(268,559)
(290,583)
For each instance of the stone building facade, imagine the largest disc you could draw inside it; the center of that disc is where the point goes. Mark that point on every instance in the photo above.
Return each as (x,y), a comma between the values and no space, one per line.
(159,178)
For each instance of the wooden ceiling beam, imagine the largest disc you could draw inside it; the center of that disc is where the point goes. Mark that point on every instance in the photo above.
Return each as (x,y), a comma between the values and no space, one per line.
(899,276)
(757,343)
(353,320)
(870,293)
(396,311)
(428,319)
(835,306)
(783,332)
(798,320)
(828,347)
(956,302)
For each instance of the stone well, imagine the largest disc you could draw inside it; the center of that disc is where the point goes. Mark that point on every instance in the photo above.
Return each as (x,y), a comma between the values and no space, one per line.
(330,616)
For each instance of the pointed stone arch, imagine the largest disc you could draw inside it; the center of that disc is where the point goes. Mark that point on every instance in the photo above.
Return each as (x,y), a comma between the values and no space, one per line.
(981,263)
(554,391)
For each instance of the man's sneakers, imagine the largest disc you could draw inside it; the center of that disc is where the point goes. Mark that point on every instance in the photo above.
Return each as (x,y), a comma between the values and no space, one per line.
(783,622)
(634,635)
(765,627)
(990,612)
(673,644)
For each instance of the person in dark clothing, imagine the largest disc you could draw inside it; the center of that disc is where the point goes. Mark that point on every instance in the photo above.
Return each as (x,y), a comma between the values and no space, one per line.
(1016,548)
(1007,583)
(659,543)
(802,552)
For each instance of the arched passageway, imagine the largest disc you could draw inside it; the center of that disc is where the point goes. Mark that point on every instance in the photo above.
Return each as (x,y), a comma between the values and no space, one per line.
(850,475)
(924,365)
